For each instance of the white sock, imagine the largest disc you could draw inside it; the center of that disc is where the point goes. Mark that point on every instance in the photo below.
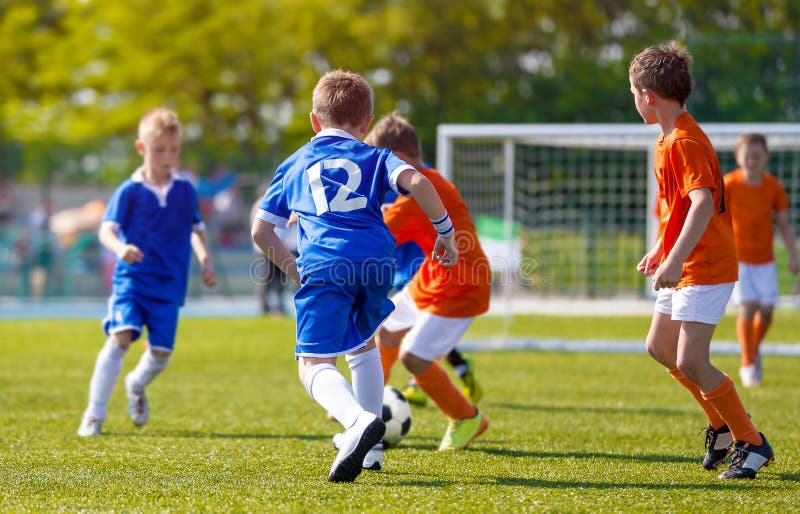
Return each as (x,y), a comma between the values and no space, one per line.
(326,385)
(106,371)
(366,373)
(150,365)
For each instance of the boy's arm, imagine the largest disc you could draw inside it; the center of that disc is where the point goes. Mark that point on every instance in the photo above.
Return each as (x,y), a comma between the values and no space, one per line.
(200,248)
(700,212)
(782,220)
(445,250)
(267,240)
(110,239)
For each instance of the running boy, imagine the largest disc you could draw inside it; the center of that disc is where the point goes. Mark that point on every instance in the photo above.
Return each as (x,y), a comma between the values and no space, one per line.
(409,258)
(152,223)
(693,264)
(336,184)
(435,309)
(755,196)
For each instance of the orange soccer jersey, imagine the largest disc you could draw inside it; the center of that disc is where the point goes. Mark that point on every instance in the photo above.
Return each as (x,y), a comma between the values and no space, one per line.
(459,292)
(684,161)
(752,207)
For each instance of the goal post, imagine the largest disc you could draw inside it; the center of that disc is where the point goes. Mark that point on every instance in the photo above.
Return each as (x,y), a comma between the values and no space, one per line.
(566,209)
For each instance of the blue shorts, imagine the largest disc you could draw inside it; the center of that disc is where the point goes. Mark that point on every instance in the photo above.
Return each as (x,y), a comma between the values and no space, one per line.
(340,308)
(128,312)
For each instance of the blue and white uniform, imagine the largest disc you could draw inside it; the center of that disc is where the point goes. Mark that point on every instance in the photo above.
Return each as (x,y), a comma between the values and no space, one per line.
(160,222)
(336,185)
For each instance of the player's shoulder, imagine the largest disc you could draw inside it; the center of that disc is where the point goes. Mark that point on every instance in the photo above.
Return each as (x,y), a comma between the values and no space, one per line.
(733,177)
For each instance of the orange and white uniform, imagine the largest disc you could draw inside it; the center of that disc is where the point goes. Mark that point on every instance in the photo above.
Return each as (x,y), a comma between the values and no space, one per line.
(752,208)
(459,292)
(684,161)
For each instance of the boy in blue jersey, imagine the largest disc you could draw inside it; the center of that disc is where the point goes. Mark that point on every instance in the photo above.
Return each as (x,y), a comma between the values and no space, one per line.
(346,263)
(152,223)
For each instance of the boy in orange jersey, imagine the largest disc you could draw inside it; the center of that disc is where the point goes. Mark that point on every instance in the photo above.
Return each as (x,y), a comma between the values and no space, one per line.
(434,310)
(693,264)
(754,196)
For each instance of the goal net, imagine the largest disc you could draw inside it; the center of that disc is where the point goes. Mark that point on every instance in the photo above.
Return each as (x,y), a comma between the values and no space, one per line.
(566,209)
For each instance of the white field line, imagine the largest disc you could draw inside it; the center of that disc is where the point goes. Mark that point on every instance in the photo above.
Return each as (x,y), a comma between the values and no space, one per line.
(606,346)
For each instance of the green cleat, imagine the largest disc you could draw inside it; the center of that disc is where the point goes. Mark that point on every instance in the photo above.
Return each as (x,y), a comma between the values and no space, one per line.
(461,432)
(415,395)
(472,390)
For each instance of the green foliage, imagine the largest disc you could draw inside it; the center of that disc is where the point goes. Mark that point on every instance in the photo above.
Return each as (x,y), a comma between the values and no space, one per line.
(78,74)
(232,430)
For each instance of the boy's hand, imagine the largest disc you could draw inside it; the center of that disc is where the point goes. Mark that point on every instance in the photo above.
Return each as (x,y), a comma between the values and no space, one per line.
(667,275)
(208,274)
(445,251)
(130,254)
(649,263)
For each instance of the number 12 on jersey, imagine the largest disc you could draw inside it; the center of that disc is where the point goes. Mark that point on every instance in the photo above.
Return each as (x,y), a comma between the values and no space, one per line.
(341,201)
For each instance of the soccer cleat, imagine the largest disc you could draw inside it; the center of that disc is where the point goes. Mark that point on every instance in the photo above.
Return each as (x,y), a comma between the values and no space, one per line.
(358,440)
(90,426)
(472,390)
(750,375)
(718,446)
(138,408)
(748,459)
(461,432)
(415,395)
(374,458)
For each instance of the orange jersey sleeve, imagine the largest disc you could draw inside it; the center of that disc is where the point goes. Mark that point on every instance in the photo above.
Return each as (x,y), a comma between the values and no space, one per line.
(685,161)
(752,210)
(459,292)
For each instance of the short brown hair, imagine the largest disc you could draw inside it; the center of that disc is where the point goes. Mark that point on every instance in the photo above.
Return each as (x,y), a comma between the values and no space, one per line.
(395,132)
(342,98)
(755,138)
(158,122)
(665,70)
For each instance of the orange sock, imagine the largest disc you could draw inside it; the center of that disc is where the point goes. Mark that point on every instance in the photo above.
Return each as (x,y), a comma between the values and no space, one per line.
(760,328)
(726,400)
(745,331)
(388,358)
(714,419)
(438,386)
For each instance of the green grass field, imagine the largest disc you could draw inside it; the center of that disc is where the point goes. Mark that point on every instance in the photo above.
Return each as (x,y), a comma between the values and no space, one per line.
(232,430)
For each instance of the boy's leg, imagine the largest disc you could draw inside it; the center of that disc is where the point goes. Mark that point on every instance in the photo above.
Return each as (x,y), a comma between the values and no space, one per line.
(367,376)
(434,336)
(106,370)
(662,345)
(326,385)
(388,342)
(151,364)
(162,324)
(465,369)
(748,342)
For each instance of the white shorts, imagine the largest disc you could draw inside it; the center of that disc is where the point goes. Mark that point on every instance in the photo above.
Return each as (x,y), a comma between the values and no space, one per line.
(703,304)
(431,337)
(758,283)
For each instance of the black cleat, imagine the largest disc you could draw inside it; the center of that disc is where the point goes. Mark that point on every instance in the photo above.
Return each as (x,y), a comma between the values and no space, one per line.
(748,459)
(718,446)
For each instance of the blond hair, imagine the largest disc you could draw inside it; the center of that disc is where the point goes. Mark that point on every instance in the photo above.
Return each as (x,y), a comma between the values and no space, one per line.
(746,139)
(665,70)
(342,99)
(158,122)
(395,132)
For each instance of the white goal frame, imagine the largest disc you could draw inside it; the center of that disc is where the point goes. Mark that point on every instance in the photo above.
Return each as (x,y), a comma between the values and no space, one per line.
(620,136)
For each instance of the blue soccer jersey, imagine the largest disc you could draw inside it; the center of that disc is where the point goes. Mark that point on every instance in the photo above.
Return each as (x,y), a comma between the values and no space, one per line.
(336,185)
(159,221)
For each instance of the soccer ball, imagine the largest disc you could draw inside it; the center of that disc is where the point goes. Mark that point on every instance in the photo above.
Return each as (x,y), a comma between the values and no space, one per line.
(396,415)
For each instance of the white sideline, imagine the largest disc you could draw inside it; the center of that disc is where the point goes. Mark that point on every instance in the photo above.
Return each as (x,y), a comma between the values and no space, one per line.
(606,346)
